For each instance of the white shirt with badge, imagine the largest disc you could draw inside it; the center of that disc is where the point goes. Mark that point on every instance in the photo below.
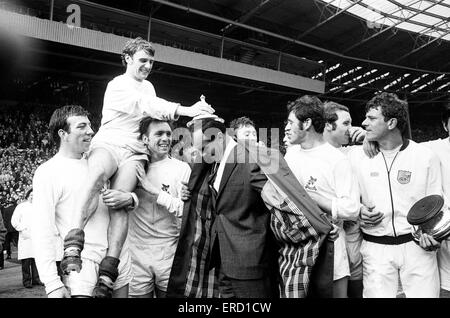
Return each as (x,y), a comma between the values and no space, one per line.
(327,171)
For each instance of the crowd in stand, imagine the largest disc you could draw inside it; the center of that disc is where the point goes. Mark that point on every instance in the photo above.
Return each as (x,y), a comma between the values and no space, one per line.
(427,132)
(24,145)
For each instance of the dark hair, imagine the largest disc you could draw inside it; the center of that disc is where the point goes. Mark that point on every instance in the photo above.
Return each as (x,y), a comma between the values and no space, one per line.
(391,107)
(145,123)
(445,114)
(134,45)
(330,109)
(308,106)
(59,120)
(241,122)
(213,125)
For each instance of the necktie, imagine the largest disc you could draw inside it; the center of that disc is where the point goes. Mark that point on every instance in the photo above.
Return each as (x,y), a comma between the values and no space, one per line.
(213,174)
(212,177)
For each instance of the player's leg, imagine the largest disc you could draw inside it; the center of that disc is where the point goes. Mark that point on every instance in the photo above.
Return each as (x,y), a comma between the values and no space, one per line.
(419,274)
(125,180)
(380,270)
(121,292)
(444,265)
(341,267)
(122,284)
(163,266)
(354,239)
(143,281)
(101,166)
(81,284)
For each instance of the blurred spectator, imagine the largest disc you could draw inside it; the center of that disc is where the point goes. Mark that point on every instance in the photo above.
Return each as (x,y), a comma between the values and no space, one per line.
(426,132)
(21,222)
(12,236)
(2,240)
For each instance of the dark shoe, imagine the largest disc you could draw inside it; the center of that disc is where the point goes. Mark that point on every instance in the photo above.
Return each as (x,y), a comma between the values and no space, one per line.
(1,268)
(38,283)
(28,285)
(103,289)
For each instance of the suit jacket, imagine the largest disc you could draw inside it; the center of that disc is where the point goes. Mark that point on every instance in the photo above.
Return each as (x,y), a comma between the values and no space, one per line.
(304,227)
(241,239)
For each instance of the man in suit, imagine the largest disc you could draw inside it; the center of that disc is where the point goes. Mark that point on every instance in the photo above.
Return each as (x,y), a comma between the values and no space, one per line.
(242,246)
(226,244)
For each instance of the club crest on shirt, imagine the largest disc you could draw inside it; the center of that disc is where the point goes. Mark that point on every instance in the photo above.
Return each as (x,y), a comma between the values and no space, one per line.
(311,184)
(165,187)
(404,176)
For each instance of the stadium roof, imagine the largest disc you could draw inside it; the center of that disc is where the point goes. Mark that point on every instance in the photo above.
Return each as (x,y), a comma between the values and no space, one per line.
(366,46)
(429,18)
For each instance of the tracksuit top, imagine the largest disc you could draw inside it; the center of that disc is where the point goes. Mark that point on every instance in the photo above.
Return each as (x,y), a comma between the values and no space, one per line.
(394,188)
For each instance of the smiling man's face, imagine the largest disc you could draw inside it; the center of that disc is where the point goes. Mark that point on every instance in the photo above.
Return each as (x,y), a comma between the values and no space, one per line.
(80,133)
(158,139)
(139,65)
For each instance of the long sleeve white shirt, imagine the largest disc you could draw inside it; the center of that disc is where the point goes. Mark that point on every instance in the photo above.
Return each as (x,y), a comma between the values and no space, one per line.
(125,103)
(56,185)
(327,171)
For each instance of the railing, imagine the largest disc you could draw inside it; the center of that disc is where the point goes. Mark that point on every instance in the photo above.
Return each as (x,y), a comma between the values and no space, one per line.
(128,24)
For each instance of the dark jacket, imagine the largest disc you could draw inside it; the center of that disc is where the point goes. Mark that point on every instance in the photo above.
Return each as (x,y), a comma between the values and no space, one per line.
(241,227)
(2,234)
(241,239)
(7,215)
